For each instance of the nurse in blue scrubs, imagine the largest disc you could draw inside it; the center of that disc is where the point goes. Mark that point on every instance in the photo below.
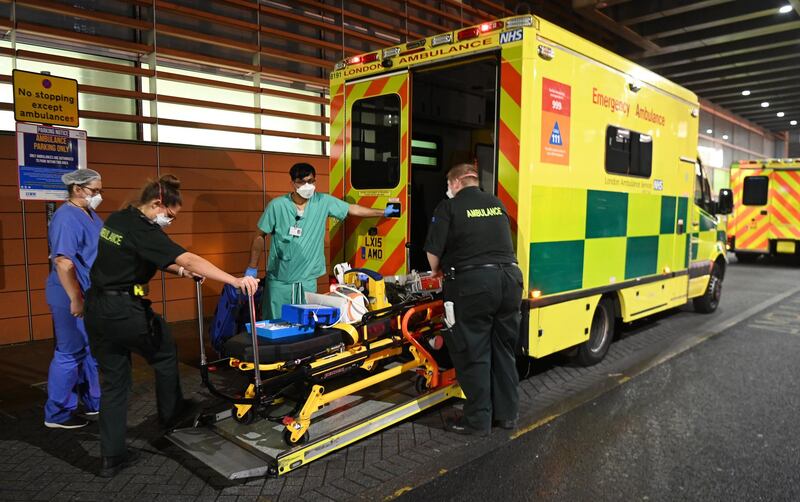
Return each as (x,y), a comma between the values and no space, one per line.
(73,235)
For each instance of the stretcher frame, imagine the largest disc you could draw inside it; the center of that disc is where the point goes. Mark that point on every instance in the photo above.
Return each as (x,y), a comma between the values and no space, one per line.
(211,441)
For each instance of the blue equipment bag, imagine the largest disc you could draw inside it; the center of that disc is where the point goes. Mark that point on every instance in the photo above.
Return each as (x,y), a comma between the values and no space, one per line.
(232,314)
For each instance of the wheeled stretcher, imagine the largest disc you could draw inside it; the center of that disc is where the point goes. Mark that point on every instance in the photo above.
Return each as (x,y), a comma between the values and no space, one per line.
(336,361)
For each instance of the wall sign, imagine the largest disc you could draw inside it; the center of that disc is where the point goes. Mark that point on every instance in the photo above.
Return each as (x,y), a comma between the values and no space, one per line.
(44,154)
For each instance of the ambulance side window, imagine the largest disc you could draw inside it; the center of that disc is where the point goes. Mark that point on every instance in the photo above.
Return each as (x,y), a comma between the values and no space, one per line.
(628,152)
(375,152)
(755,191)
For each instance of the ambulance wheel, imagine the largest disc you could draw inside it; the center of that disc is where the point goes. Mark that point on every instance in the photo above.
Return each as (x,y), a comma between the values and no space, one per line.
(421,385)
(710,300)
(246,419)
(600,335)
(287,438)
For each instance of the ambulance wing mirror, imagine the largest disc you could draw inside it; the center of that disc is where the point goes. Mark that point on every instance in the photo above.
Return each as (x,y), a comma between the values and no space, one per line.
(725,201)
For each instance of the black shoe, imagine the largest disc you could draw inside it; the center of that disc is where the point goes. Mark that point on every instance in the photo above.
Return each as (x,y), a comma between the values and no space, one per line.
(110,466)
(505,424)
(184,415)
(72,422)
(460,426)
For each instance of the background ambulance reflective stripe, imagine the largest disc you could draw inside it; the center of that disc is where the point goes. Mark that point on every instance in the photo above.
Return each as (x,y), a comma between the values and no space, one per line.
(392,259)
(784,207)
(744,223)
(509,132)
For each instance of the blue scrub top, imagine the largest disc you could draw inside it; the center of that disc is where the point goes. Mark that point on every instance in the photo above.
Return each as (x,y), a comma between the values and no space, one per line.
(299,258)
(72,234)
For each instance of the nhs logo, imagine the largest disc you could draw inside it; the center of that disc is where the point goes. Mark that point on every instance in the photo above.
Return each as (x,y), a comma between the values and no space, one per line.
(511,36)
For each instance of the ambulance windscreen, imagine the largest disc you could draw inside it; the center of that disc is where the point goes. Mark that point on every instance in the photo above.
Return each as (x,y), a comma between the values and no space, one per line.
(375,150)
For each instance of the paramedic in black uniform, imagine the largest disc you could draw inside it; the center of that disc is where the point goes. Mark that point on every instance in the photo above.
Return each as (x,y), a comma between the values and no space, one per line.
(469,241)
(119,320)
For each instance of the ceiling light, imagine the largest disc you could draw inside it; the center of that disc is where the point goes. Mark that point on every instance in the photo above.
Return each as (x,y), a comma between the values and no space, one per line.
(780,114)
(785,9)
(725,136)
(709,131)
(792,122)
(764,104)
(745,92)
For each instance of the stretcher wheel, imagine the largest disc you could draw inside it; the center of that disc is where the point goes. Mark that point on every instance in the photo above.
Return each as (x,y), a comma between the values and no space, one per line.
(246,419)
(287,438)
(421,385)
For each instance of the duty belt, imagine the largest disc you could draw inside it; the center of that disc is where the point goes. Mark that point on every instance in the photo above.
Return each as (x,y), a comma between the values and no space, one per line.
(465,268)
(137,290)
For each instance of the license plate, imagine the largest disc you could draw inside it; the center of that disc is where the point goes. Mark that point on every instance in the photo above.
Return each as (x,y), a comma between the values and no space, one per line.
(372,247)
(786,247)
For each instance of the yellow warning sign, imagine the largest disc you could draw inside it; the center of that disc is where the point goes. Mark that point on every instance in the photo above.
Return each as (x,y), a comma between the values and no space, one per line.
(45,99)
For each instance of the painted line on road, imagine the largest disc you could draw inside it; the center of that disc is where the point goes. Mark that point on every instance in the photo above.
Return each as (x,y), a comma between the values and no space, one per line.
(680,348)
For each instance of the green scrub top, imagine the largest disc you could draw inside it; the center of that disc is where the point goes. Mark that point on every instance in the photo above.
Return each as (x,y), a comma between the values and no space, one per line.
(299,258)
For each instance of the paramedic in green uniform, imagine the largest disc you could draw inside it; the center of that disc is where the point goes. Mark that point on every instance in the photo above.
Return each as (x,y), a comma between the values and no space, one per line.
(296,225)
(469,240)
(119,320)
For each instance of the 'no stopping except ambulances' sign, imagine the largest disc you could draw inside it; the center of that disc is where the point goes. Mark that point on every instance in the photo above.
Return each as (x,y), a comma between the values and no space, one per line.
(45,99)
(44,154)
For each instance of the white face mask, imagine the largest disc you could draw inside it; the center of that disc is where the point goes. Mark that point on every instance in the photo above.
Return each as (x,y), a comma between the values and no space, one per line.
(450,193)
(162,220)
(306,191)
(94,200)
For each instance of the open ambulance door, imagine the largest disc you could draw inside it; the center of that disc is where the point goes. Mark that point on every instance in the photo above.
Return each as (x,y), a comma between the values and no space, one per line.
(376,158)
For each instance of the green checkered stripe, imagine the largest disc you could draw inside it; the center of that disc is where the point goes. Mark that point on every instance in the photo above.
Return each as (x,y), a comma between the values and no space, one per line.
(591,238)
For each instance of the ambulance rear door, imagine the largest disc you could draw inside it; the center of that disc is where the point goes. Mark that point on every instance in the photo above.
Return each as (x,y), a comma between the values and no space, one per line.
(376,170)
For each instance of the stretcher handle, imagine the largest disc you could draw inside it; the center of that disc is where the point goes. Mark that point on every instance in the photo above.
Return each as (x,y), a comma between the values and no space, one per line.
(429,308)
(200,320)
(254,335)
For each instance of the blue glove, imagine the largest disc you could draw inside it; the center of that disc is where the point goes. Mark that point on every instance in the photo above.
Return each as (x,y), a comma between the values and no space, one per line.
(391,211)
(251,272)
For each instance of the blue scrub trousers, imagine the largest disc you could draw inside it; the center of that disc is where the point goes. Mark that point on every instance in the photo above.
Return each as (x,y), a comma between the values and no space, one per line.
(73,371)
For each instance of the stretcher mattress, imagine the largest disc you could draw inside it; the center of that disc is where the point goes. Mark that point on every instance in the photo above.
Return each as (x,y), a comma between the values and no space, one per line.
(241,347)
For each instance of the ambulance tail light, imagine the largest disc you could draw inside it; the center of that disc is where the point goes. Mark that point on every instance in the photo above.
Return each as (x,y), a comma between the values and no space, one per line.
(535,294)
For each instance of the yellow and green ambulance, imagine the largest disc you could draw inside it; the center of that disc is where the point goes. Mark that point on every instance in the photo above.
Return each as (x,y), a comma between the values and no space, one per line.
(766,214)
(593,157)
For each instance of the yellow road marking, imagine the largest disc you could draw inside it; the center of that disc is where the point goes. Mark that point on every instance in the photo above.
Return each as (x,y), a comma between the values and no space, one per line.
(534,425)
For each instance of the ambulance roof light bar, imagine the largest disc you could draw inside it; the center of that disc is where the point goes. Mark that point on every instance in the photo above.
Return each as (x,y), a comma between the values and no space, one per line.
(520,22)
(479,30)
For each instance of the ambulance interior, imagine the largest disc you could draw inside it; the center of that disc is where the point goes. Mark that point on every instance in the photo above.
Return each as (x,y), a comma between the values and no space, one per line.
(453,119)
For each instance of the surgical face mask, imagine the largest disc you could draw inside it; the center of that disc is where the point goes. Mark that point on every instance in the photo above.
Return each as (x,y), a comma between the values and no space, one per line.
(306,191)
(162,220)
(94,200)
(449,193)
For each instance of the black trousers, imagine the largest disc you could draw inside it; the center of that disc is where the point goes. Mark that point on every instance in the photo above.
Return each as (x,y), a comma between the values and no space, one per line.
(117,326)
(482,342)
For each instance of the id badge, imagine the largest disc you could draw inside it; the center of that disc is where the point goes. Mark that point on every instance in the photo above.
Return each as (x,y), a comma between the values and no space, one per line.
(295,231)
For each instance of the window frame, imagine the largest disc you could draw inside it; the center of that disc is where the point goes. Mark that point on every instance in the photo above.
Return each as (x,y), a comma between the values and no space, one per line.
(766,190)
(396,177)
(630,153)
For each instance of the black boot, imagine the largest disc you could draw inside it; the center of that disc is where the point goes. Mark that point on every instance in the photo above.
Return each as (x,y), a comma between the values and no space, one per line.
(110,466)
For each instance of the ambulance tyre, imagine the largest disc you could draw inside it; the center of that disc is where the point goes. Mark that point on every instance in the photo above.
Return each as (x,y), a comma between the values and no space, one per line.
(600,335)
(710,300)
(287,438)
